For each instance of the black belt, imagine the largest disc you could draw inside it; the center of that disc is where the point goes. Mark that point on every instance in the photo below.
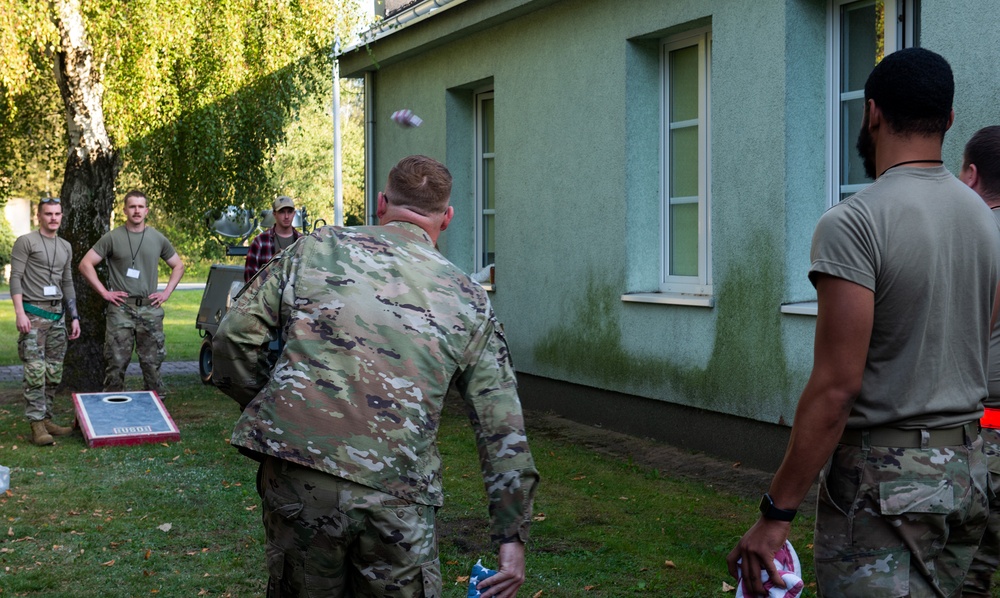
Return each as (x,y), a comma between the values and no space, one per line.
(139,301)
(53,303)
(898,438)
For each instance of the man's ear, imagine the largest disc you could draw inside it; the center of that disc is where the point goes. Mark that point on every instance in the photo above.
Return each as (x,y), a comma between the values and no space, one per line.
(381,205)
(969,175)
(874,115)
(446,219)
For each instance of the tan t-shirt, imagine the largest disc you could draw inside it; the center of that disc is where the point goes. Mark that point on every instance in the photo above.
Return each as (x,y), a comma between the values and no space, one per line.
(37,264)
(133,259)
(929,249)
(994,399)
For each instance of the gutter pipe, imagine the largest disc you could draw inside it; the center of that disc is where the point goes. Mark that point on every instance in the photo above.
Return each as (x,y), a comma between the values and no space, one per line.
(338,165)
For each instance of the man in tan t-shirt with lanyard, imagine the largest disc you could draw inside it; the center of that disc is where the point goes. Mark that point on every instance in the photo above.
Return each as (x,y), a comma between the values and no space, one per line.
(135,310)
(41,288)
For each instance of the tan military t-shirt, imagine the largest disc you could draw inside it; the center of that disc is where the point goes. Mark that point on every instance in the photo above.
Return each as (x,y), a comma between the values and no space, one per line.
(929,248)
(41,268)
(133,259)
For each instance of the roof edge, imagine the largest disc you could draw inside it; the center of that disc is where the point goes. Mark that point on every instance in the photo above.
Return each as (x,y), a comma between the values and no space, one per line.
(410,16)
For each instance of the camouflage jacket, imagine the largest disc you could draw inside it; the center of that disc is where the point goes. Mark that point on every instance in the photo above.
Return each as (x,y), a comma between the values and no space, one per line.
(377,326)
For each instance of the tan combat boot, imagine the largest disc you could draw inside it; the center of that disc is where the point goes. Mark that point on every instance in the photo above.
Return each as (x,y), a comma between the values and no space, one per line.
(39,435)
(56,430)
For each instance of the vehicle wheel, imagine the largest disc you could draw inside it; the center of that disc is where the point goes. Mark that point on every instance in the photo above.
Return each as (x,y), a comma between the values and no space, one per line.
(205,360)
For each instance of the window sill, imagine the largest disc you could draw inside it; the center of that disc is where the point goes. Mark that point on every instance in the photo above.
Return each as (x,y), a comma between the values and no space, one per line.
(487,287)
(670,299)
(802,308)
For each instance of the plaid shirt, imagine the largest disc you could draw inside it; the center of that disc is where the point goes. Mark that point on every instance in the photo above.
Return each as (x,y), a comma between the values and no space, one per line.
(262,250)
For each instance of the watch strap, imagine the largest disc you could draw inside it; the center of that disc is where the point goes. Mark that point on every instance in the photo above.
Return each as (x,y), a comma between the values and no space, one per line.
(769,511)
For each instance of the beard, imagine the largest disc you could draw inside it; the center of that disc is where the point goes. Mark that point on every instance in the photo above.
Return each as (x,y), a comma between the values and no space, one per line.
(866,149)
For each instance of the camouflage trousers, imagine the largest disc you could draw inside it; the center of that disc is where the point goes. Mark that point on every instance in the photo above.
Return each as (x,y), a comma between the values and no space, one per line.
(42,350)
(136,328)
(900,521)
(977,582)
(327,536)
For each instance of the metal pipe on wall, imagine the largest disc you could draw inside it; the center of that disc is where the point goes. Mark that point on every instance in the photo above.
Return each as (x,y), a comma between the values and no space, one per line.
(371,191)
(338,164)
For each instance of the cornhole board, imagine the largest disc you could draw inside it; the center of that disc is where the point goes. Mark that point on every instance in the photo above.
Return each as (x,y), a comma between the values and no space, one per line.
(123,418)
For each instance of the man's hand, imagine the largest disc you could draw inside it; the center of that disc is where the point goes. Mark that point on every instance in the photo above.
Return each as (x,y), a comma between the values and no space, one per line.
(510,576)
(74,330)
(115,297)
(23,324)
(159,298)
(756,549)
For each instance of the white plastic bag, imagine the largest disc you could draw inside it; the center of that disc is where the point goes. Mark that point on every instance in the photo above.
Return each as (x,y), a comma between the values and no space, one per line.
(4,478)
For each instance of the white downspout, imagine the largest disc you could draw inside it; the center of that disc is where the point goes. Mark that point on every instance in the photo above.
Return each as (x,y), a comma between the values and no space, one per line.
(371,191)
(338,165)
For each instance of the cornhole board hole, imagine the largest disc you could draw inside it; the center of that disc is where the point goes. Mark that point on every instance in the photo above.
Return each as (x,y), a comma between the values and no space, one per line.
(123,418)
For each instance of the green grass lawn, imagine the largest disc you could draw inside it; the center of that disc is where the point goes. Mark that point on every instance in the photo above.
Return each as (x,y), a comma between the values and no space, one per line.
(183,519)
(180,313)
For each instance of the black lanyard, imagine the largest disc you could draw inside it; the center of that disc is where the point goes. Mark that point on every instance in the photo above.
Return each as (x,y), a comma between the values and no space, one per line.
(128,235)
(55,253)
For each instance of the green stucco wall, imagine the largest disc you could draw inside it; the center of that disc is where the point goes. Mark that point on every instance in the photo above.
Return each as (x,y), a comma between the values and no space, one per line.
(577,100)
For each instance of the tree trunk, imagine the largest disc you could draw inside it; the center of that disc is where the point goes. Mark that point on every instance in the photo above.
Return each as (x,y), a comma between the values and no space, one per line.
(88,192)
(88,189)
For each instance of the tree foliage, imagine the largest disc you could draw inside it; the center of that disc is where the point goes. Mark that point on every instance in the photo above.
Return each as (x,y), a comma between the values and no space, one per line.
(190,98)
(302,166)
(6,245)
(197,93)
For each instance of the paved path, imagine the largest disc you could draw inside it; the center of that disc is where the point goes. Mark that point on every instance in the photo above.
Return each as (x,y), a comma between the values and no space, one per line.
(14,373)
(184,286)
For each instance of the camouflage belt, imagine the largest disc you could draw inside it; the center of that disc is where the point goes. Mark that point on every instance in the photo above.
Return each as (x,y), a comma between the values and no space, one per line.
(898,438)
(41,313)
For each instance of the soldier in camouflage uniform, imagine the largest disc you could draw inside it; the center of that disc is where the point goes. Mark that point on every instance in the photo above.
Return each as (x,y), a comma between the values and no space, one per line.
(981,172)
(905,274)
(135,310)
(41,288)
(376,326)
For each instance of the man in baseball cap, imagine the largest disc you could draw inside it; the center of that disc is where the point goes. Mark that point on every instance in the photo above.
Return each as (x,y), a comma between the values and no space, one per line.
(275,239)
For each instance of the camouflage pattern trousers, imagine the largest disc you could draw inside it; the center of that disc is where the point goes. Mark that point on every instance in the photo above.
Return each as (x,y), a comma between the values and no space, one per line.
(42,350)
(327,536)
(139,328)
(900,521)
(977,582)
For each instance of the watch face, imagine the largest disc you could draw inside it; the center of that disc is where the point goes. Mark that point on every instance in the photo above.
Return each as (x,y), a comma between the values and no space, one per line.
(765,503)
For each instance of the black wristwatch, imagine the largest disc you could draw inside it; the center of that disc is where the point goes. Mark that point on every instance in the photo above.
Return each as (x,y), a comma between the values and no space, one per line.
(769,511)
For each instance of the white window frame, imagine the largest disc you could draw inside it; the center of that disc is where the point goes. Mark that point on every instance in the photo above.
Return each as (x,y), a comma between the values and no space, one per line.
(481,157)
(701,284)
(900,32)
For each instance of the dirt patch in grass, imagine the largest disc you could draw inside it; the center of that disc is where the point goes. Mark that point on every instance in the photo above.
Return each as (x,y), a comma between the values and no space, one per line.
(467,534)
(724,476)
(11,396)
